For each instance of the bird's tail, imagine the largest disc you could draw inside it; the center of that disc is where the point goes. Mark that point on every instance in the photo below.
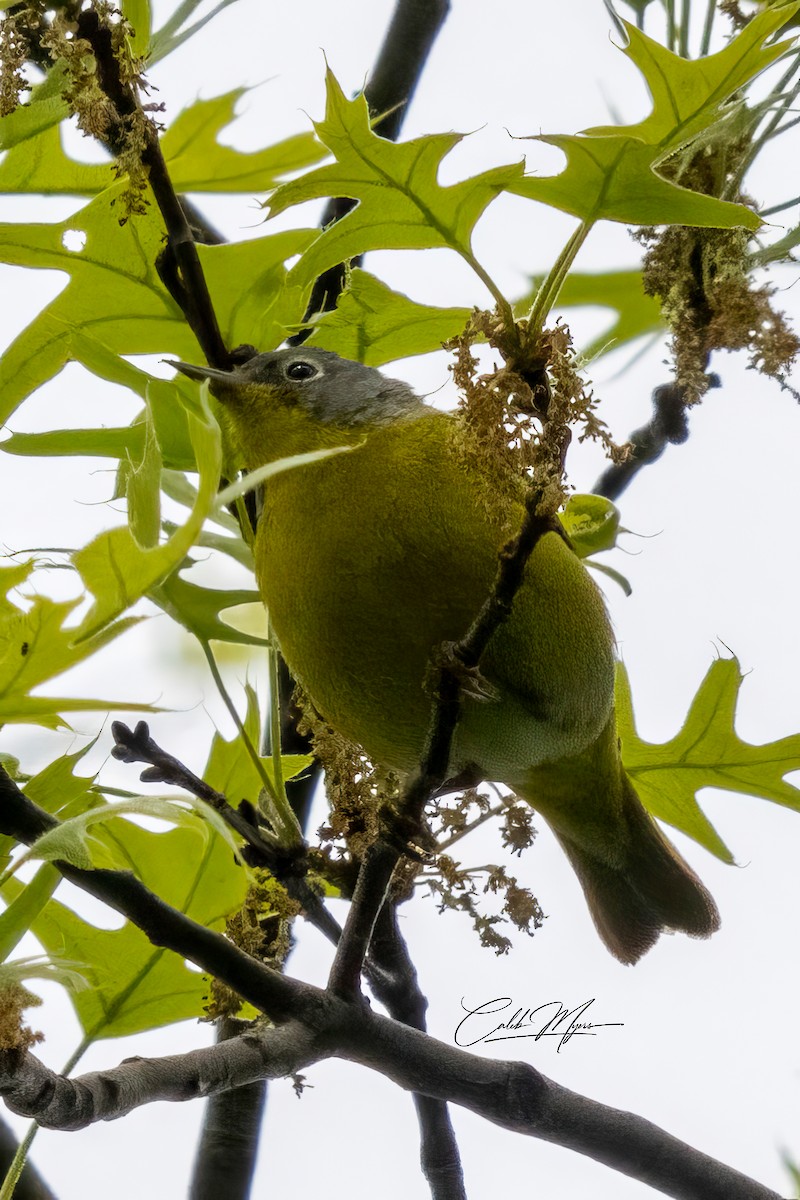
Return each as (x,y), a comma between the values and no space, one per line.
(635,881)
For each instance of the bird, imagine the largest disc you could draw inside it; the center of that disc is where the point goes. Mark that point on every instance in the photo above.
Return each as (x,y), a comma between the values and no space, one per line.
(383,545)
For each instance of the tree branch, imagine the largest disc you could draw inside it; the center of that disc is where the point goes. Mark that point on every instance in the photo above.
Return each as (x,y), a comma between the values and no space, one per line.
(439,1155)
(289,869)
(163,925)
(30,1185)
(510,1094)
(188,279)
(58,1102)
(226,1154)
(668,425)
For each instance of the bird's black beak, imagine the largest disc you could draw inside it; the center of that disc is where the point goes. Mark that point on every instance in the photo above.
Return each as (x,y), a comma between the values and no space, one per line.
(201,373)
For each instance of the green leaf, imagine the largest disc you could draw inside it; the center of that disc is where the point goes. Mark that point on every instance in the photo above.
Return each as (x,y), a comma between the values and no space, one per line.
(113,290)
(689,95)
(11,765)
(56,789)
(135,986)
(36,162)
(611,172)
(592,523)
(36,646)
(198,162)
(73,840)
(235,547)
(54,969)
(117,571)
(144,490)
(198,608)
(114,302)
(255,478)
(163,404)
(45,109)
(92,443)
(253,297)
(401,204)
(613,179)
(610,573)
(17,919)
(706,753)
(375,325)
(231,770)
(137,12)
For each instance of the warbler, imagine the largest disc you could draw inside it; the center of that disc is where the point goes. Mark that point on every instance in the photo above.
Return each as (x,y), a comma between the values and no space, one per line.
(372,555)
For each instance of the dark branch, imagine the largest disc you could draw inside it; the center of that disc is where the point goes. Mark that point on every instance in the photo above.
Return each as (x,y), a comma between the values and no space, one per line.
(668,426)
(314,1025)
(390,971)
(191,289)
(58,1102)
(226,1155)
(300,790)
(30,1185)
(439,1155)
(290,869)
(163,925)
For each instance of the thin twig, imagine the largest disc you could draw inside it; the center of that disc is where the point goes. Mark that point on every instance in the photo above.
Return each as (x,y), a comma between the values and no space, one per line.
(667,427)
(138,746)
(194,299)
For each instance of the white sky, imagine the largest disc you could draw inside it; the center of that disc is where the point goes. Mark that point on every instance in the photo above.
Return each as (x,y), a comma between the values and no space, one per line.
(709,1048)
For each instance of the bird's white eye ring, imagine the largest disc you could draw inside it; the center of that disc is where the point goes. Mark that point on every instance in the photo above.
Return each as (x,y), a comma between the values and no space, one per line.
(300,369)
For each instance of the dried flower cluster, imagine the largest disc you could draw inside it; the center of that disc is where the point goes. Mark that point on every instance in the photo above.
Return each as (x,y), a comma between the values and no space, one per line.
(519,417)
(262,928)
(14,1033)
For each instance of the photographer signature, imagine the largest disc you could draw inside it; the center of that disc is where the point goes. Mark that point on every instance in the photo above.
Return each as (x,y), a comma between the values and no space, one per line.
(549,1020)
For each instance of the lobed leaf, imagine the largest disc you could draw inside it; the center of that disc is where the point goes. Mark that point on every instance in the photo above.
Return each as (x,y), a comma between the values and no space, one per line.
(612,171)
(401,204)
(374,324)
(36,646)
(231,770)
(707,752)
(614,179)
(199,162)
(198,609)
(689,95)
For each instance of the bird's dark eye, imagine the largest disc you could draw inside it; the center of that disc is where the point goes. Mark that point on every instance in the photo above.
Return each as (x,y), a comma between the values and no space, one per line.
(301,370)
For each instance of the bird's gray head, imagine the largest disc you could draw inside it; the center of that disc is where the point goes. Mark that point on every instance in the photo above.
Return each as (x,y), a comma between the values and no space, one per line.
(331,389)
